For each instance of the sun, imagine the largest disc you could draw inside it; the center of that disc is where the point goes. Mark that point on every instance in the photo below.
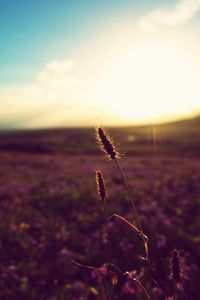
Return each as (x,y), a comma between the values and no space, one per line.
(149,83)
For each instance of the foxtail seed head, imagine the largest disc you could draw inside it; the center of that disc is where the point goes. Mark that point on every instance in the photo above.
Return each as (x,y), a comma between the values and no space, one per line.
(100,185)
(175,265)
(106,143)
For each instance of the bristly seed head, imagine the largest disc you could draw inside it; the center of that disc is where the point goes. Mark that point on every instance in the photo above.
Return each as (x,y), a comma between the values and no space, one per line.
(100,185)
(175,265)
(106,143)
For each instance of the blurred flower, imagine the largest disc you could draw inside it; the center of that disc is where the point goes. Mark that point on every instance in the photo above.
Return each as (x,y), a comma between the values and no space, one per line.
(11,272)
(125,246)
(24,226)
(161,241)
(66,253)
(78,286)
(129,289)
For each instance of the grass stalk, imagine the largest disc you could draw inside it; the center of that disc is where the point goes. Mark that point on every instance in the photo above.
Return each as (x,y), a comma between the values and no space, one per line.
(135,214)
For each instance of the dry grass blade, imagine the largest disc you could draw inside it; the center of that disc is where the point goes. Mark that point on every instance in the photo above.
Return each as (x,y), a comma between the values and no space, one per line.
(139,283)
(125,221)
(140,233)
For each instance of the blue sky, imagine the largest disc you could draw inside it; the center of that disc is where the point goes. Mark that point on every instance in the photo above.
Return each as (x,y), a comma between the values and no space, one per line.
(92,43)
(35,31)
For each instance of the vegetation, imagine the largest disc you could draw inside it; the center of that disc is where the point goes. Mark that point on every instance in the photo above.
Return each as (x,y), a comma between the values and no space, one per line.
(176,138)
(50,216)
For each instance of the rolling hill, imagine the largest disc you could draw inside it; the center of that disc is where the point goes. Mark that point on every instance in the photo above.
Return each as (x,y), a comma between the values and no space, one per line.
(180,137)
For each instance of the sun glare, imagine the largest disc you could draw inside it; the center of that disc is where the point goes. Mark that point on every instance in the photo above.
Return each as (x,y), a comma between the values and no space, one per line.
(151,82)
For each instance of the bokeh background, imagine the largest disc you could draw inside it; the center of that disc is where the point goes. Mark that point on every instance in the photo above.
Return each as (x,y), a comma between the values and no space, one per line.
(132,67)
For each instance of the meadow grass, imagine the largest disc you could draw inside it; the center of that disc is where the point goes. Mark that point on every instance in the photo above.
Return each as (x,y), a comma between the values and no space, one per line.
(50,216)
(112,270)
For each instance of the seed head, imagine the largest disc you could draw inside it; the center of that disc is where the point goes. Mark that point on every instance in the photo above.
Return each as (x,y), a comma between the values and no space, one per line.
(175,265)
(100,185)
(106,143)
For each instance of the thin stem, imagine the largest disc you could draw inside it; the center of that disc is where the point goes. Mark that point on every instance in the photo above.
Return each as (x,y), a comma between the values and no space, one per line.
(175,291)
(106,234)
(105,212)
(126,274)
(125,221)
(138,223)
(140,284)
(105,217)
(136,216)
(130,196)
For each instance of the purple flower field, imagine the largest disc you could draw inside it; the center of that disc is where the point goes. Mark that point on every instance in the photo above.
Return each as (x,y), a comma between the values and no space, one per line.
(51,216)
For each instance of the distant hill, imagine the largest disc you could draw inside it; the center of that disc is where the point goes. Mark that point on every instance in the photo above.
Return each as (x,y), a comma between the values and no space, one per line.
(181,137)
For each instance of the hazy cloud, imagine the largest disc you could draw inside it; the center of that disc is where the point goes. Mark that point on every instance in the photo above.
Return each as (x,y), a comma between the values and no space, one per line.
(52,99)
(59,73)
(179,13)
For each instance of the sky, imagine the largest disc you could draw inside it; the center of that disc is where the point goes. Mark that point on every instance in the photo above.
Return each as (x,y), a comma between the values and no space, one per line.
(108,62)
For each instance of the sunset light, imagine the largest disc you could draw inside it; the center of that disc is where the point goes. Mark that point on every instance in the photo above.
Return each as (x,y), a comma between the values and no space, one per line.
(136,64)
(99,149)
(151,83)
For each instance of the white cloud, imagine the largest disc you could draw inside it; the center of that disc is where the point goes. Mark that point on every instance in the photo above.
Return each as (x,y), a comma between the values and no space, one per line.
(38,105)
(177,14)
(61,66)
(54,96)
(61,73)
(57,98)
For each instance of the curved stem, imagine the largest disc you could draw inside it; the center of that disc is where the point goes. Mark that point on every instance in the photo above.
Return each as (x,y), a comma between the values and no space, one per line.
(135,214)
(130,196)
(138,223)
(140,284)
(126,274)
(105,212)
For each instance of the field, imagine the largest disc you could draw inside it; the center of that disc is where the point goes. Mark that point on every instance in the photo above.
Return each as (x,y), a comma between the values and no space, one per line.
(51,214)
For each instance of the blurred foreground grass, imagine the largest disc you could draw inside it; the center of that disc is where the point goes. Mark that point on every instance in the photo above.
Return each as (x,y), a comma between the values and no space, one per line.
(50,215)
